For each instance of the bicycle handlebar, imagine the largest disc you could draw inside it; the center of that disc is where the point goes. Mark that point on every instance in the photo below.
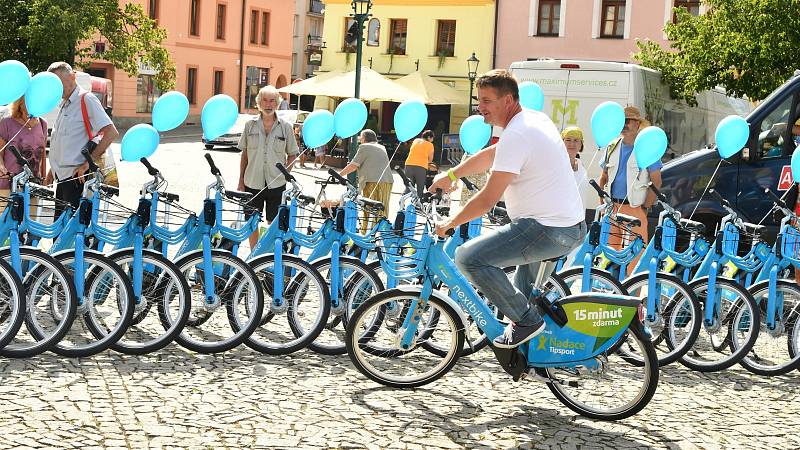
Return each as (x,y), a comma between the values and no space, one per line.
(403,177)
(289,177)
(599,190)
(20,160)
(150,169)
(778,201)
(719,198)
(92,166)
(660,195)
(335,175)
(469,184)
(214,170)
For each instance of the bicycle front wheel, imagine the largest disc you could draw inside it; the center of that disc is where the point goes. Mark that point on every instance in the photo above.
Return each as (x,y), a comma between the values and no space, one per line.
(105,308)
(236,291)
(357,283)
(615,388)
(304,312)
(375,331)
(163,286)
(50,304)
(12,302)
(736,319)
(677,316)
(770,354)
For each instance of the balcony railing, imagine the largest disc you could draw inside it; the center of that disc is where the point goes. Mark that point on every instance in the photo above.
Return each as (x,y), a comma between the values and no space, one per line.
(316,7)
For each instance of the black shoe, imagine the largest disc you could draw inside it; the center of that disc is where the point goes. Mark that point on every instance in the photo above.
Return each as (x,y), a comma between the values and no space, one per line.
(516,335)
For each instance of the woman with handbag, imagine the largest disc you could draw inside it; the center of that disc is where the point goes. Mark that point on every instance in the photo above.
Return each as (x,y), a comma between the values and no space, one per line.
(29,136)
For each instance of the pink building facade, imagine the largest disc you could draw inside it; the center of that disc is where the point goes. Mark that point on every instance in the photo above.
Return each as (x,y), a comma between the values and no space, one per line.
(213,54)
(604,30)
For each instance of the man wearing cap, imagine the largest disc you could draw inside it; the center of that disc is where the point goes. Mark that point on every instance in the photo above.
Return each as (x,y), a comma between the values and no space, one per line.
(628,189)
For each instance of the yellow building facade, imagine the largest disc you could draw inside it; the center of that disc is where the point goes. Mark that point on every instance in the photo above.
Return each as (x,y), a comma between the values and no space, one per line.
(435,37)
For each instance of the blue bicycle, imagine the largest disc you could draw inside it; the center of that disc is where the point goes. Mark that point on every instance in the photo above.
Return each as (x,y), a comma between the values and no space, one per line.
(574,356)
(50,299)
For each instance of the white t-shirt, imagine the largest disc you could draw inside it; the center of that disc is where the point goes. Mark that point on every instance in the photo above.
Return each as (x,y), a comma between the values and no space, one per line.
(544,188)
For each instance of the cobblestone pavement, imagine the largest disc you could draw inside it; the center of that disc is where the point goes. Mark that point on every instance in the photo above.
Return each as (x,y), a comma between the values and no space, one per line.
(243,399)
(246,400)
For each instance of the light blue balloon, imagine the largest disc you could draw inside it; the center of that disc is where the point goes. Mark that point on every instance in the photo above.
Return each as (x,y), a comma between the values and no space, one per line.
(349,118)
(170,111)
(649,146)
(731,135)
(218,116)
(14,80)
(796,165)
(140,141)
(608,120)
(318,128)
(43,94)
(474,134)
(531,95)
(410,119)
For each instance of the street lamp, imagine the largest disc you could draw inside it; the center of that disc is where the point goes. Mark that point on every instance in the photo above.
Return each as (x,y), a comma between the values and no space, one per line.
(361,10)
(472,67)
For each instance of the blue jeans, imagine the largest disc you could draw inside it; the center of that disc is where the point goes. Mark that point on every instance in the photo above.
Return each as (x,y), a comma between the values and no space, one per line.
(523,243)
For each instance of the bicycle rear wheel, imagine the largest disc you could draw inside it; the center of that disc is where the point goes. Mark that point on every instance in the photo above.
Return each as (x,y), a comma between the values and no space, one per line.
(105,309)
(236,288)
(374,332)
(770,353)
(50,304)
(163,285)
(618,389)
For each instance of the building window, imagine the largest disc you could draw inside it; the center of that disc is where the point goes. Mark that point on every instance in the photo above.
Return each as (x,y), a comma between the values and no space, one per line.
(349,33)
(253,27)
(146,93)
(549,16)
(152,9)
(256,78)
(446,38)
(191,85)
(218,88)
(397,36)
(221,21)
(194,18)
(693,6)
(612,22)
(264,28)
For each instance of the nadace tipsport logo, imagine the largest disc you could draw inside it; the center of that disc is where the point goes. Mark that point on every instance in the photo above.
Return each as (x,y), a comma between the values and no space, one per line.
(600,317)
(470,306)
(559,346)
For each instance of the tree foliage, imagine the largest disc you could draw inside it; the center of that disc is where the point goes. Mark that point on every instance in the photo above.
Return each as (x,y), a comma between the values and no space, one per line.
(39,32)
(749,47)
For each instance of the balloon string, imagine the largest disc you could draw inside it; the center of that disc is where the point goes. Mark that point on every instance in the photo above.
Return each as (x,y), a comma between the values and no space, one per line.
(17,134)
(705,190)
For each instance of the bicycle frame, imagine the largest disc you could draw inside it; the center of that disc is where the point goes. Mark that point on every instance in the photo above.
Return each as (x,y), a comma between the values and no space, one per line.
(593,322)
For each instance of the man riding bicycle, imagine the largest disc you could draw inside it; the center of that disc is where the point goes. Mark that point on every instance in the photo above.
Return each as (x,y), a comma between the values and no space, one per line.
(530,168)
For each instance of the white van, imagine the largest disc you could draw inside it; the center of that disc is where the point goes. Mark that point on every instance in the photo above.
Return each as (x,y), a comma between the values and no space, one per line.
(573,88)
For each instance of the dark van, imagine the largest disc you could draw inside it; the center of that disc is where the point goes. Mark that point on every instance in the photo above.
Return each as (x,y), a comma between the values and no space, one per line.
(741,179)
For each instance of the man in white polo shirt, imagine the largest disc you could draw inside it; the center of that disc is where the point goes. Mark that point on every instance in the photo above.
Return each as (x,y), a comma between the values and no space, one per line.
(531,168)
(70,136)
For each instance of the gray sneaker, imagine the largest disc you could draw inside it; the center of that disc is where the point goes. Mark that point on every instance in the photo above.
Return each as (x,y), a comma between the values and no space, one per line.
(516,335)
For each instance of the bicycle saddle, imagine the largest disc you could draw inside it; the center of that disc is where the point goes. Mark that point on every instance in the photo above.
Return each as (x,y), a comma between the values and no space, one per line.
(238,195)
(367,203)
(752,228)
(692,226)
(633,221)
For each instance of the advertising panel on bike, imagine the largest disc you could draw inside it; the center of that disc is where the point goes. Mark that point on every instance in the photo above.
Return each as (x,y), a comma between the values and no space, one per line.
(593,325)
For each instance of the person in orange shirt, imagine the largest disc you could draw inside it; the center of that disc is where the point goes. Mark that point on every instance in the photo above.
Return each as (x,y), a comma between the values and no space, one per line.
(419,157)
